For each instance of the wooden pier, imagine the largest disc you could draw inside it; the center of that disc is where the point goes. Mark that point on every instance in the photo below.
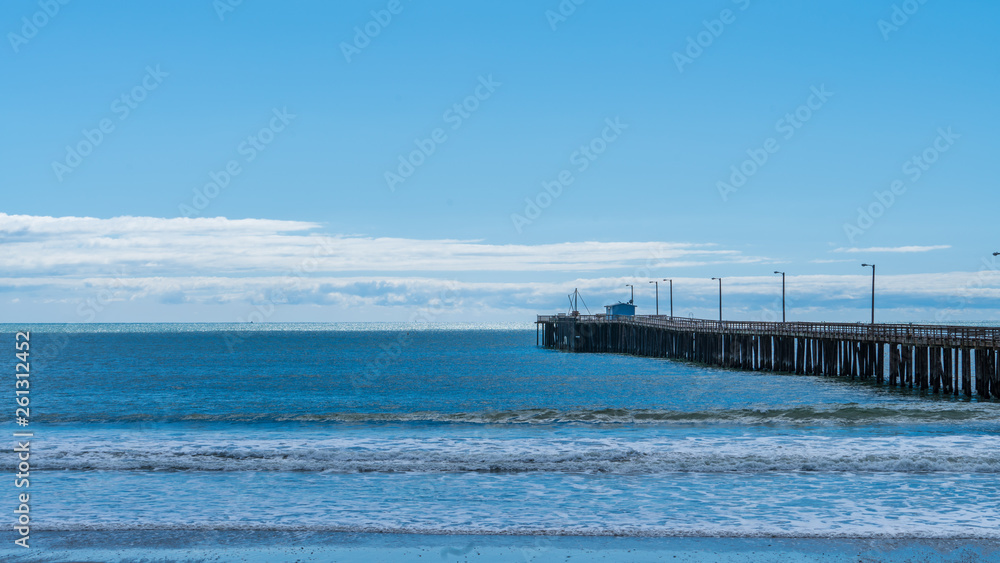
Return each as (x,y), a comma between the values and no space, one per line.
(941,359)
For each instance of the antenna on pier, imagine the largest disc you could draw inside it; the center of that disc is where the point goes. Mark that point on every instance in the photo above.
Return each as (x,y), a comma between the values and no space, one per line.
(574,299)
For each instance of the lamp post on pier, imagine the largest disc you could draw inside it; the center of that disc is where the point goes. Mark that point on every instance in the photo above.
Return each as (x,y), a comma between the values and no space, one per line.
(657,285)
(873,289)
(631,300)
(782,294)
(720,299)
(671,297)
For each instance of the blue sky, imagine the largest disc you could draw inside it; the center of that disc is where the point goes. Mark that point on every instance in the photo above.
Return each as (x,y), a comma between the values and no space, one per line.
(646,111)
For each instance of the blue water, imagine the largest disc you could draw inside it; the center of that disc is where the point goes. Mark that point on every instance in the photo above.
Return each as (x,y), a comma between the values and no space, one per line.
(473,430)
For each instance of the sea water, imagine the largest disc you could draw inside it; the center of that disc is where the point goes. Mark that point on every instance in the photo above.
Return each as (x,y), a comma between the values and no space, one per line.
(156,431)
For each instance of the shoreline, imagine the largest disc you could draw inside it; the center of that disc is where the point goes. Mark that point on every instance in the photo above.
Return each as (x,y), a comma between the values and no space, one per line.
(260,547)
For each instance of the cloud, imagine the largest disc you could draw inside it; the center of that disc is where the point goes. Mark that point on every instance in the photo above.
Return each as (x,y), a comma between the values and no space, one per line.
(904,249)
(81,269)
(359,291)
(79,246)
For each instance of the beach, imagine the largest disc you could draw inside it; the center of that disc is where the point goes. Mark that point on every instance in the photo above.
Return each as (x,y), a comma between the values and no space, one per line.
(312,443)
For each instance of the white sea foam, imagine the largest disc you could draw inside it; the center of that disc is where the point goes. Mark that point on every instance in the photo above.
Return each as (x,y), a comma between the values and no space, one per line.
(788,504)
(955,413)
(898,531)
(966,453)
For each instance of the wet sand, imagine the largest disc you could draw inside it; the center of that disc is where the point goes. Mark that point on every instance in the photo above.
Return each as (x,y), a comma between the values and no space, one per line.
(270,547)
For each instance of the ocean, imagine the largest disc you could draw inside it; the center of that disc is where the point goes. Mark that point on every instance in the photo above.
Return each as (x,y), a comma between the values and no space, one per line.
(467,442)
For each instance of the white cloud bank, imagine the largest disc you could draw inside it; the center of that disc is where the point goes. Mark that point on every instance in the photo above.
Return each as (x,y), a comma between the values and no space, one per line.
(81,245)
(81,269)
(897,249)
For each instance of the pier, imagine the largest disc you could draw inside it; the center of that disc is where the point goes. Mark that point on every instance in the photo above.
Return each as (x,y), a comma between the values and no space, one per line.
(935,358)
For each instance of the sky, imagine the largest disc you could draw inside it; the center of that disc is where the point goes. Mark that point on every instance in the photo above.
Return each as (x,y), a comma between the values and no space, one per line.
(399,160)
